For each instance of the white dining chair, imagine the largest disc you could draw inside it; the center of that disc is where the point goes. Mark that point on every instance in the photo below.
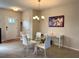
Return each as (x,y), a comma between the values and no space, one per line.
(44,45)
(28,44)
(24,40)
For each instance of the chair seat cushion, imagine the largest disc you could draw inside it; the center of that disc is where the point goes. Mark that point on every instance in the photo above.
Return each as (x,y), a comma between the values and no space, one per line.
(41,46)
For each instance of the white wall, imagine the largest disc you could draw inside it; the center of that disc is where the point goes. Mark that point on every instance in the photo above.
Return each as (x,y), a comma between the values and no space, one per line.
(27,21)
(71,25)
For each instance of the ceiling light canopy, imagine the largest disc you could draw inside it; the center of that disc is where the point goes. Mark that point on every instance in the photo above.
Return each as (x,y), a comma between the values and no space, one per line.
(16,8)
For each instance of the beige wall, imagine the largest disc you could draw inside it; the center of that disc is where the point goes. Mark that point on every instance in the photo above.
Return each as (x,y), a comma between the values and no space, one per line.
(36,23)
(4,15)
(71,25)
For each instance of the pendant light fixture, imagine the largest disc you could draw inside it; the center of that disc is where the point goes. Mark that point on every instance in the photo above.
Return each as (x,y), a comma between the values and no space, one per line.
(37,17)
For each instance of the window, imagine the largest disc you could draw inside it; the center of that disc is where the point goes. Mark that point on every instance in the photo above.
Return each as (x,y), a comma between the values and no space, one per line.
(11,20)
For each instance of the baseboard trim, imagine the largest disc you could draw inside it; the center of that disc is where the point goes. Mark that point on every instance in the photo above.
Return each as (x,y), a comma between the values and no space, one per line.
(67,47)
(71,48)
(11,39)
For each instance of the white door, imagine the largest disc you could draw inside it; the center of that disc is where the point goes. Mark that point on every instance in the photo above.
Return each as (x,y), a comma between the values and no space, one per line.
(11,28)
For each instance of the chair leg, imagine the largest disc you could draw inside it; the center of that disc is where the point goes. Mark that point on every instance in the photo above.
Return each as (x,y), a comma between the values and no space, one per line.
(24,51)
(27,49)
(45,52)
(35,50)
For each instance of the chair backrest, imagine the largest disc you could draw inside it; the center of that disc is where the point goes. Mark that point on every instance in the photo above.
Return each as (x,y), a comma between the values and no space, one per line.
(24,39)
(38,35)
(47,41)
(28,36)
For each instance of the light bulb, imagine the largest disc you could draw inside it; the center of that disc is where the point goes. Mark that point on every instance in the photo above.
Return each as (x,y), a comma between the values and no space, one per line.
(42,17)
(34,18)
(38,18)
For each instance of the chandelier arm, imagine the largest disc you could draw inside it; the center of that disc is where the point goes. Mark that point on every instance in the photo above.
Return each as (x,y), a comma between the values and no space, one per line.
(39,4)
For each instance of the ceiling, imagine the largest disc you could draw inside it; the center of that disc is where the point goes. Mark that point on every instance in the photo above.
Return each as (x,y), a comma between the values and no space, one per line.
(33,4)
